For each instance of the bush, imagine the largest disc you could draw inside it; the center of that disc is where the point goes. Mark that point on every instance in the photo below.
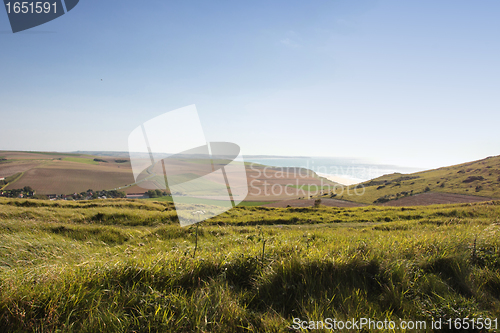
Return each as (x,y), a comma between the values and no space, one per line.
(382,199)
(470,179)
(27,189)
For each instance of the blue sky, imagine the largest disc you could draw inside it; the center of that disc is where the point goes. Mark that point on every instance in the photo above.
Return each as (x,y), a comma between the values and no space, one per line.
(412,83)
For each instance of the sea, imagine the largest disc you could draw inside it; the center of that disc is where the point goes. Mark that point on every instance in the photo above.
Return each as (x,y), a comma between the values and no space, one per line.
(354,170)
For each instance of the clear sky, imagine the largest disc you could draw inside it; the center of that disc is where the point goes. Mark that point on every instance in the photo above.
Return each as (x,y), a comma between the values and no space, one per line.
(413,83)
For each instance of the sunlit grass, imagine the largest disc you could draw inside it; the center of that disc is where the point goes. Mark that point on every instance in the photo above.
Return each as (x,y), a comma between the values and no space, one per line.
(80,160)
(125,265)
(457,179)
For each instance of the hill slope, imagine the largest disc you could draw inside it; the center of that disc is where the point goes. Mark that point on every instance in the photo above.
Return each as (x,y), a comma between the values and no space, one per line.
(478,178)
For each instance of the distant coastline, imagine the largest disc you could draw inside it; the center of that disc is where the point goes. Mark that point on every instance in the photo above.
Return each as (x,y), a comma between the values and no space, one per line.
(345,171)
(346,181)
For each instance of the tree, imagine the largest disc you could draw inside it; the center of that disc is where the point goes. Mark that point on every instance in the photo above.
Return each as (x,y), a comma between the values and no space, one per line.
(317,202)
(27,189)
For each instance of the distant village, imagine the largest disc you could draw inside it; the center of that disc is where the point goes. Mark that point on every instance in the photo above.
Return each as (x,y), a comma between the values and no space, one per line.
(28,192)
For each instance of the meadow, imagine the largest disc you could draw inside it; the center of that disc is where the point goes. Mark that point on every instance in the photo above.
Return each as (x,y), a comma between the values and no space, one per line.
(80,160)
(127,266)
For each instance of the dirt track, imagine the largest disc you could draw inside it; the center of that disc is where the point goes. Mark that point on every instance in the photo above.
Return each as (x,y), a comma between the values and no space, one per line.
(433,198)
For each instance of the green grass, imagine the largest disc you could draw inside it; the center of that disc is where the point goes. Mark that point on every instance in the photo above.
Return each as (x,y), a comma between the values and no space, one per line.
(80,160)
(14,177)
(11,179)
(203,187)
(189,200)
(453,179)
(312,188)
(126,265)
(253,203)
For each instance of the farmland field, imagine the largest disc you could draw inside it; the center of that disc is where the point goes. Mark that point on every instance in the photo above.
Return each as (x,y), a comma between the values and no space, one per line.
(60,173)
(8,169)
(80,160)
(65,180)
(127,266)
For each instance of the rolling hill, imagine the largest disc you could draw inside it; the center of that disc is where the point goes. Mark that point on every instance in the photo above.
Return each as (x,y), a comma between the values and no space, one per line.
(68,173)
(479,179)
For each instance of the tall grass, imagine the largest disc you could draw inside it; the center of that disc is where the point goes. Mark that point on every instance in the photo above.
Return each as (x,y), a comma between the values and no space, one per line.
(131,270)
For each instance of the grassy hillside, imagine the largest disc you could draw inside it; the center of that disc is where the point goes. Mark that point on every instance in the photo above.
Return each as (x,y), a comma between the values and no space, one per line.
(126,266)
(479,178)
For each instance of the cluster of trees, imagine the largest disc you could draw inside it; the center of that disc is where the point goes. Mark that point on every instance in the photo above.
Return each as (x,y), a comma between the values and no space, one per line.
(25,192)
(116,161)
(91,194)
(390,197)
(28,192)
(157,193)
